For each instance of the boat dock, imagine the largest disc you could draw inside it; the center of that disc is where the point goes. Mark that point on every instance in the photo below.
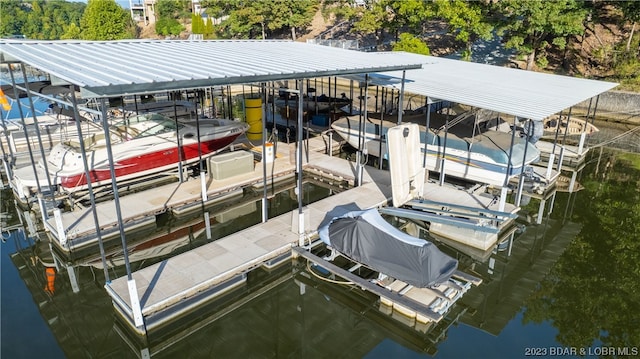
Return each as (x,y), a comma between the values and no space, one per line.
(181,282)
(76,229)
(155,296)
(178,283)
(571,156)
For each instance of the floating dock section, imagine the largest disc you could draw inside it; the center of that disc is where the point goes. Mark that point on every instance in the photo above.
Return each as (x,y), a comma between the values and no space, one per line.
(181,283)
(75,230)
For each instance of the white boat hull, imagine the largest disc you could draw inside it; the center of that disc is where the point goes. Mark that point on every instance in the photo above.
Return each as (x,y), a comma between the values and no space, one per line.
(476,165)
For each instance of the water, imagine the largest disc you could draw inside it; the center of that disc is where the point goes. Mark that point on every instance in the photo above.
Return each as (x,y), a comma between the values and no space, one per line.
(40,105)
(570,282)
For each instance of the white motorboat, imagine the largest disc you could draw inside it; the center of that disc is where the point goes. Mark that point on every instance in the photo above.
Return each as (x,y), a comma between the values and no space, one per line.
(141,145)
(486,157)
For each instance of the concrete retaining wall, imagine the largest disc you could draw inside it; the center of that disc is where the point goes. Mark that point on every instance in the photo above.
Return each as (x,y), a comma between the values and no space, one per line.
(615,105)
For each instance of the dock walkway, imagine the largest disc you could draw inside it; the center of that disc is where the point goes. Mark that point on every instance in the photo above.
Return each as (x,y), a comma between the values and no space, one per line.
(168,285)
(139,209)
(177,284)
(571,157)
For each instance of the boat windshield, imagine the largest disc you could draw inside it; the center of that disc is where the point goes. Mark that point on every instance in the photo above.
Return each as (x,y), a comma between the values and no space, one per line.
(152,124)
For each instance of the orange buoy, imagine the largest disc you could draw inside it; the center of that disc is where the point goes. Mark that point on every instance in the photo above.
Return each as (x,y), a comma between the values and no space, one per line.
(50,272)
(3,101)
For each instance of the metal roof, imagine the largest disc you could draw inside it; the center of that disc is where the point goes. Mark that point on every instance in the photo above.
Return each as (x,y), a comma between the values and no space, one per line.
(526,94)
(109,68)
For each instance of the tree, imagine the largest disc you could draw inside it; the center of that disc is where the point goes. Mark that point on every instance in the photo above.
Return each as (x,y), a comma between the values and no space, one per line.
(372,21)
(168,27)
(290,14)
(208,30)
(72,31)
(531,27)
(409,15)
(197,24)
(44,20)
(106,20)
(631,13)
(247,21)
(252,19)
(467,21)
(12,18)
(172,9)
(410,43)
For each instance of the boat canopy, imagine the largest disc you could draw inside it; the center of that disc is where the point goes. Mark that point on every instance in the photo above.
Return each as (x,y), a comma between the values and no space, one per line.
(367,238)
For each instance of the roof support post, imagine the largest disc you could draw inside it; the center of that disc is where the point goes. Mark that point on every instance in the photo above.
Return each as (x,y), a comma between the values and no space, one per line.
(92,197)
(513,141)
(37,128)
(265,203)
(300,141)
(524,158)
(401,98)
(178,140)
(383,109)
(443,160)
(35,122)
(24,126)
(426,136)
(362,149)
(133,292)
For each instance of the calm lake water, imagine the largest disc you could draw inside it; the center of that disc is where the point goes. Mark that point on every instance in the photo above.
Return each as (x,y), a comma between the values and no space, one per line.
(570,282)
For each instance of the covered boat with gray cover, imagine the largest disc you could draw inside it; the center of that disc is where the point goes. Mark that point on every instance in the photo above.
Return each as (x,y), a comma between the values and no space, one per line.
(365,237)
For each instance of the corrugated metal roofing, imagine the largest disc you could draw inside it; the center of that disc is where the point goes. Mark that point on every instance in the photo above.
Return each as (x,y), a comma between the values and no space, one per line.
(109,68)
(510,91)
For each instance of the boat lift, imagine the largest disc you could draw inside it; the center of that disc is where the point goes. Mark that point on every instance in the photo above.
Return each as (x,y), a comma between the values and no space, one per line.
(407,182)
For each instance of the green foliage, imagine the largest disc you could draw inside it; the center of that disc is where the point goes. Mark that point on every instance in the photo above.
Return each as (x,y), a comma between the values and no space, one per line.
(197,24)
(12,18)
(370,21)
(389,16)
(406,14)
(531,26)
(71,32)
(290,14)
(246,22)
(341,9)
(43,20)
(106,20)
(467,20)
(410,43)
(627,66)
(172,9)
(630,9)
(168,27)
(254,19)
(209,26)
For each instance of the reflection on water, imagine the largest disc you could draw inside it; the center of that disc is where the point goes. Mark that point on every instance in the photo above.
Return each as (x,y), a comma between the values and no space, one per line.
(570,279)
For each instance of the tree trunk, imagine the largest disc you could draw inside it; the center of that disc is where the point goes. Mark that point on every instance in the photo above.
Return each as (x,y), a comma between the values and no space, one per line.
(633,27)
(530,59)
(264,36)
(293,33)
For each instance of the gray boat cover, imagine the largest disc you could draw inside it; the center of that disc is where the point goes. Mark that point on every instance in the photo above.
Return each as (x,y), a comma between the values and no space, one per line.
(365,237)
